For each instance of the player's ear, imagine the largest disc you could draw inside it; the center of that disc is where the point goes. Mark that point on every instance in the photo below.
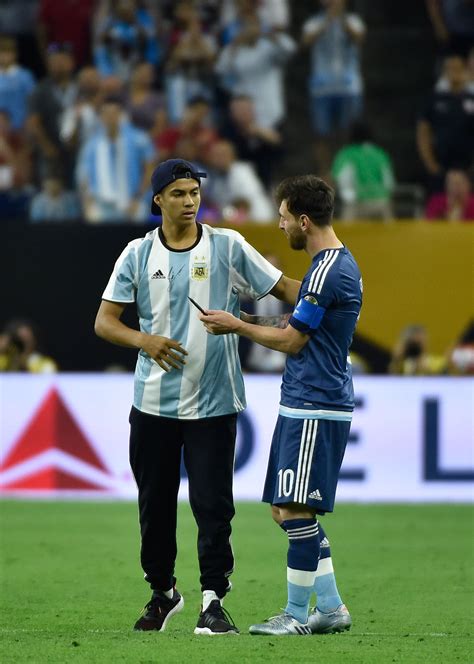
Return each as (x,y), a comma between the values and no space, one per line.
(156,199)
(304,222)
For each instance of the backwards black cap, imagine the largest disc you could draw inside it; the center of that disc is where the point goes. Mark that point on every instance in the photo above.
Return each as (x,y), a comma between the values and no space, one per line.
(169,171)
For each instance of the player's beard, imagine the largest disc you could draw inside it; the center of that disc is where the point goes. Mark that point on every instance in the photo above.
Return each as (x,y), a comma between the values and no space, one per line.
(297,239)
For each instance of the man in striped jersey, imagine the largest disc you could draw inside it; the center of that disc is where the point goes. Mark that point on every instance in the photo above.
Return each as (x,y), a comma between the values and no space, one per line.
(316,404)
(188,384)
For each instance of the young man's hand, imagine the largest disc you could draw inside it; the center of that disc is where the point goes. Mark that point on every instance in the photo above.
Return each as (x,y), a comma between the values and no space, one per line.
(168,353)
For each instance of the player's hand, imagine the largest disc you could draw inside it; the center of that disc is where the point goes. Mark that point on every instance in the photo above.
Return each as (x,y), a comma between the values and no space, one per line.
(219,322)
(167,353)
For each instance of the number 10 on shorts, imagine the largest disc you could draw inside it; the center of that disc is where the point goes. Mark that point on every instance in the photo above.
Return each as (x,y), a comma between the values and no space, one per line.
(286,480)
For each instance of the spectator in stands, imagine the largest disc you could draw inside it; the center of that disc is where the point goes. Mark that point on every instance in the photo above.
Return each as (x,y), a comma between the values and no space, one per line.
(410,356)
(16,84)
(453,24)
(444,85)
(272,14)
(113,86)
(126,35)
(252,64)
(20,18)
(231,180)
(190,64)
(196,127)
(114,169)
(461,355)
(146,107)
(50,99)
(15,170)
(15,156)
(80,121)
(66,21)
(19,349)
(53,203)
(335,84)
(364,176)
(456,203)
(470,70)
(445,130)
(259,145)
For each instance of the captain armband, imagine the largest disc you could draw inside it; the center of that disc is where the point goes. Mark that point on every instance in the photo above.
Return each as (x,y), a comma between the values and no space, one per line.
(308,313)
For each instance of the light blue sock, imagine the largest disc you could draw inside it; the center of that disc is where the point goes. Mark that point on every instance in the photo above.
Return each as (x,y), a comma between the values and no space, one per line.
(327,594)
(303,555)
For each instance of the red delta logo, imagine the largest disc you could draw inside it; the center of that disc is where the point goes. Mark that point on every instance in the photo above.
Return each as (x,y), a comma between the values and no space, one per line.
(53,454)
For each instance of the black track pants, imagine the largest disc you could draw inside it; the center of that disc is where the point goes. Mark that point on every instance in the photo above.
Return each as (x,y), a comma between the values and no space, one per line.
(155,454)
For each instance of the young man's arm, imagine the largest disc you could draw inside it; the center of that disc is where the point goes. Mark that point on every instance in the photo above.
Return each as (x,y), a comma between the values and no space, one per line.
(108,326)
(288,340)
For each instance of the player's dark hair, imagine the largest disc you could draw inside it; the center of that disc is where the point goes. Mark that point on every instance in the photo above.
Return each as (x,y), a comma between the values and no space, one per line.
(309,195)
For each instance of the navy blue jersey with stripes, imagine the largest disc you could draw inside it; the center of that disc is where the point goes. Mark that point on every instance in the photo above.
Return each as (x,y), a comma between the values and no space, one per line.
(319,377)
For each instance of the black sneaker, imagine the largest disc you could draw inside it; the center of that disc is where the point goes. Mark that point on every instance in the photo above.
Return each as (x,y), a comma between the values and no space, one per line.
(158,611)
(215,620)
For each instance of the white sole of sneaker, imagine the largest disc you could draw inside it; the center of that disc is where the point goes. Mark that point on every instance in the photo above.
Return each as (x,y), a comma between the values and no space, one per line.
(333,630)
(179,606)
(206,631)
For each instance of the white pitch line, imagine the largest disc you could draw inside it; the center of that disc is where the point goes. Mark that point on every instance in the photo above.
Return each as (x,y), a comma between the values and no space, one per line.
(6,630)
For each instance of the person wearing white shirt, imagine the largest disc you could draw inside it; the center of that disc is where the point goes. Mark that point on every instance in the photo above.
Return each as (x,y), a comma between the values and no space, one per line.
(236,180)
(253,65)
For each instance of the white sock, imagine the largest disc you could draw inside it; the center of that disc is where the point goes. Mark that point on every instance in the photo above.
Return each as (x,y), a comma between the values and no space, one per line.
(208,596)
(168,593)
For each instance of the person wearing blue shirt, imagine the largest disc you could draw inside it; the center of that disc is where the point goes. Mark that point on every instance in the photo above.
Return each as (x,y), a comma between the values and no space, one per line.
(316,403)
(16,84)
(114,168)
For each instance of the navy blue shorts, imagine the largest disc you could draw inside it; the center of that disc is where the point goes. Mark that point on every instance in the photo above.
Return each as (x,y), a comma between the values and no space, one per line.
(304,463)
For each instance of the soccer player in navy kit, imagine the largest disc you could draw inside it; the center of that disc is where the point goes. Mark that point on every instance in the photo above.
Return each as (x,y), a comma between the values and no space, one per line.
(316,404)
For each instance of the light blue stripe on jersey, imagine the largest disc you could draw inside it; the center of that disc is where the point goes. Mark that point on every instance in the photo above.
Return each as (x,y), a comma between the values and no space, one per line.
(144,364)
(220,354)
(303,414)
(125,278)
(179,324)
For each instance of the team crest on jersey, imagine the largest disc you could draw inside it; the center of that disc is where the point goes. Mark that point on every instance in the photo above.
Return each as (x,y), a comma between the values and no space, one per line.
(199,269)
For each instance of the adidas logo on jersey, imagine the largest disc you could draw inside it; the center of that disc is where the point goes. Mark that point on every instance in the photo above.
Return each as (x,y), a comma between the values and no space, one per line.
(315,495)
(158,275)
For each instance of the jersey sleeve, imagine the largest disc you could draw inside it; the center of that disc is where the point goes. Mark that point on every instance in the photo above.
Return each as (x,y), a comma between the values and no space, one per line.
(252,274)
(123,282)
(318,293)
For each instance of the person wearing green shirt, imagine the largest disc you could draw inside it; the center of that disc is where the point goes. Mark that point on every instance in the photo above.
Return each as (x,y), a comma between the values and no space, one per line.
(364,177)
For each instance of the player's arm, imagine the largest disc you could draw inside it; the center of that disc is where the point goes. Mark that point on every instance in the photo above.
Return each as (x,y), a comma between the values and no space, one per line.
(288,340)
(166,352)
(286,289)
(280,320)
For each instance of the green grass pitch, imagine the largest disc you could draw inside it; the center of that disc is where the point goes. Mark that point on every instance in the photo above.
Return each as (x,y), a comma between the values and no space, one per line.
(71,586)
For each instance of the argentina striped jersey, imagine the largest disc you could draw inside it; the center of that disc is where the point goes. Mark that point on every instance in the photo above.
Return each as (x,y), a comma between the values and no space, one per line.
(317,381)
(219,268)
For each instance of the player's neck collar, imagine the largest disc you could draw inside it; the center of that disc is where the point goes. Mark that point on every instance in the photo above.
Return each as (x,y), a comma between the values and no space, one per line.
(161,235)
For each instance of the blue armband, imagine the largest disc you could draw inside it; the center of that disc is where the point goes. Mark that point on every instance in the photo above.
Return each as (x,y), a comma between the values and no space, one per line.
(308,313)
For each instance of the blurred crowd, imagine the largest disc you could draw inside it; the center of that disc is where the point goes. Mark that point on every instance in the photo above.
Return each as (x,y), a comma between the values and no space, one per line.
(118,86)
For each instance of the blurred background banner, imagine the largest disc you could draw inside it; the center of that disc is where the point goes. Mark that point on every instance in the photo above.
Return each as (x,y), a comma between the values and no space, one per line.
(67,436)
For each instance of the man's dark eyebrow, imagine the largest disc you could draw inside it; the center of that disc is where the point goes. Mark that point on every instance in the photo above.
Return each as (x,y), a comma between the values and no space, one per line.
(183,191)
